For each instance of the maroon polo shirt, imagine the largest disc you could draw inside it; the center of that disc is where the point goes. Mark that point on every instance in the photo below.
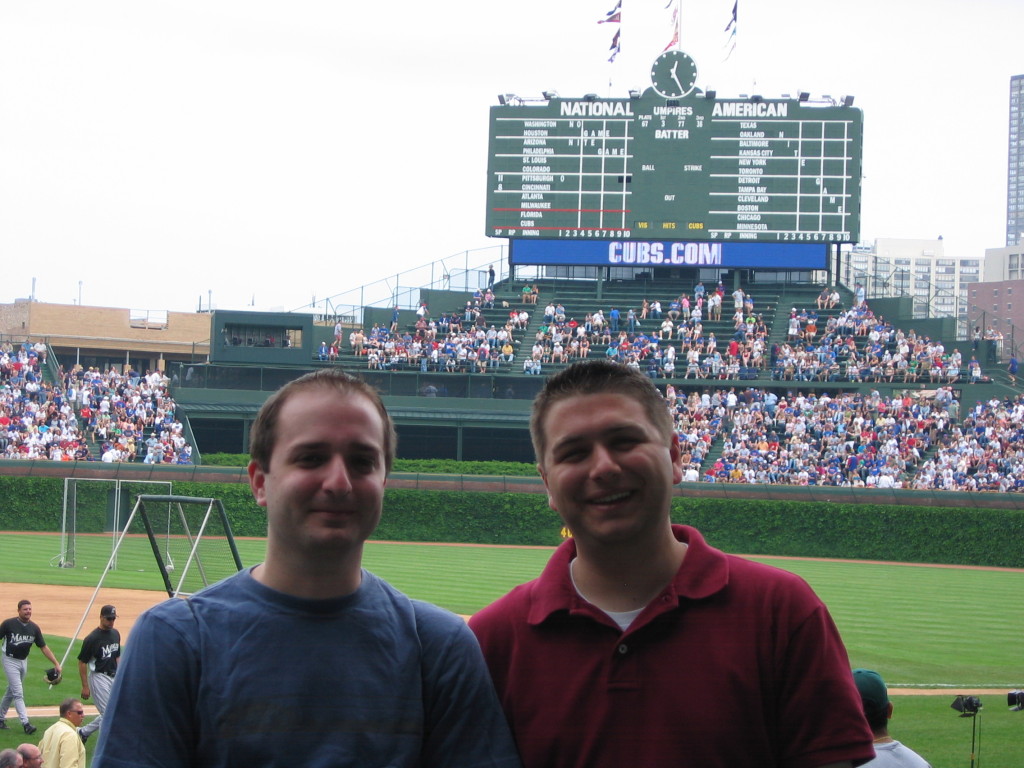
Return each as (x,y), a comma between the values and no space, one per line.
(734,664)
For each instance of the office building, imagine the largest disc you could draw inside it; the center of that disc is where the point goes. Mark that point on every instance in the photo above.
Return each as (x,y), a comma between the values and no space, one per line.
(919,268)
(1015,165)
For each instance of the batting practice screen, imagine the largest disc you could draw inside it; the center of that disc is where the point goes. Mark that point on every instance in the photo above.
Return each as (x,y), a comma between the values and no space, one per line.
(694,168)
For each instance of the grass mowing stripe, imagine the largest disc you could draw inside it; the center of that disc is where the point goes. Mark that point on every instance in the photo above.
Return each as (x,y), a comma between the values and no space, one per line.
(32,558)
(462,579)
(924,625)
(916,625)
(930,727)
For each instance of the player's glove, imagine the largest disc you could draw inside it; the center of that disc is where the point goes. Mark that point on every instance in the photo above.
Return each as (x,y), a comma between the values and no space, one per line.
(53,676)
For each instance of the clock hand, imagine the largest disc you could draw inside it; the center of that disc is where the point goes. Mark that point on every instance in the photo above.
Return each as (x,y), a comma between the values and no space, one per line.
(676,78)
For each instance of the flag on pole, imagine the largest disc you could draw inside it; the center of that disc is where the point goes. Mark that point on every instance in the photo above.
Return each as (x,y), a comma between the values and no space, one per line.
(730,28)
(614,15)
(674,42)
(616,46)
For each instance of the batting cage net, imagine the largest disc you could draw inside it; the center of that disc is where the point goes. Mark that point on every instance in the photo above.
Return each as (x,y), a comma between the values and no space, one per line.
(190,539)
(94,514)
(185,542)
(178,544)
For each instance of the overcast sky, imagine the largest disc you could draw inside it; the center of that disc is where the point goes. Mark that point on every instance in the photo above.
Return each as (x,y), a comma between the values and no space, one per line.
(153,154)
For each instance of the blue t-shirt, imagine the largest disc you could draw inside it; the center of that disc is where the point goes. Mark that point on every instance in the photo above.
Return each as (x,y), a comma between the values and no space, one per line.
(242,675)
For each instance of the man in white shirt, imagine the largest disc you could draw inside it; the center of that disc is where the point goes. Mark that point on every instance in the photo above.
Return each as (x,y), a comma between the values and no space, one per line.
(889,753)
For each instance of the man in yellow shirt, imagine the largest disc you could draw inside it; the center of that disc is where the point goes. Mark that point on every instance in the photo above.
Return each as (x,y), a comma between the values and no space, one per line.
(61,746)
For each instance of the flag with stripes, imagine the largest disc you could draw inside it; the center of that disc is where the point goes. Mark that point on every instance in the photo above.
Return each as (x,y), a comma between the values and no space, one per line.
(616,45)
(730,28)
(614,15)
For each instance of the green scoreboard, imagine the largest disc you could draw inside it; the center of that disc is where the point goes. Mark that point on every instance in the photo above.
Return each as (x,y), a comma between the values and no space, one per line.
(687,168)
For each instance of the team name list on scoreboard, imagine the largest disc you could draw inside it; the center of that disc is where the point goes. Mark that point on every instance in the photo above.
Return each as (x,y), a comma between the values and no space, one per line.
(693,168)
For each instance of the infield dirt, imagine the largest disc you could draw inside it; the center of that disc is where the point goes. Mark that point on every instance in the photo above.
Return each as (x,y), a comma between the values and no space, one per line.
(58,610)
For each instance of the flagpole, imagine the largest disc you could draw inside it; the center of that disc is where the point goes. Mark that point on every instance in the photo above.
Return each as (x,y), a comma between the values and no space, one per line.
(614,16)
(731,28)
(679,25)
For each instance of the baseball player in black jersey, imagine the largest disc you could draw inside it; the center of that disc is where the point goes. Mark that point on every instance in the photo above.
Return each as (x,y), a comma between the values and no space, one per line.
(18,634)
(97,665)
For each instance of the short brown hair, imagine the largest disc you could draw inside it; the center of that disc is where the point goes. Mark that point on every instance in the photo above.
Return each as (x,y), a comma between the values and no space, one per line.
(67,704)
(263,433)
(598,377)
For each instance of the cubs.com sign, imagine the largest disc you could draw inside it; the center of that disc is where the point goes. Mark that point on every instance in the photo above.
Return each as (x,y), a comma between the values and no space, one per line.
(643,253)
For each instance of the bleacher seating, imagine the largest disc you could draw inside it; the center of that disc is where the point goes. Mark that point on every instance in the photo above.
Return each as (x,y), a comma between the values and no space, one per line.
(86,414)
(797,388)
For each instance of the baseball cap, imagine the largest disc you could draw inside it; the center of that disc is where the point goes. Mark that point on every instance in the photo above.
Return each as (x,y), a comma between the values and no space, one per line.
(873,692)
(108,612)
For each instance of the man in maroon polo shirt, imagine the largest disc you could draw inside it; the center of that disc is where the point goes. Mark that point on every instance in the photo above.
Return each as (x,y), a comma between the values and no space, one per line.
(640,644)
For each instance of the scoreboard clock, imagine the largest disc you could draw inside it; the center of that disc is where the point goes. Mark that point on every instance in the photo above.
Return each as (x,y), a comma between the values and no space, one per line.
(674,74)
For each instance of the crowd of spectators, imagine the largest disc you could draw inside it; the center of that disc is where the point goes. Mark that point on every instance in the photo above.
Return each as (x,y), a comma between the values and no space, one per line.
(663,343)
(844,439)
(913,439)
(463,341)
(858,346)
(984,452)
(824,343)
(906,440)
(839,439)
(127,416)
(698,419)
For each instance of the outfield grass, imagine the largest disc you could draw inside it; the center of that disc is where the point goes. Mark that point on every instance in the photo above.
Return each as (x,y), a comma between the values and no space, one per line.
(34,558)
(924,625)
(918,626)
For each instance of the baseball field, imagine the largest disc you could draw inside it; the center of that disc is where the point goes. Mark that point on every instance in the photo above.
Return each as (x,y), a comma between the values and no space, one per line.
(933,632)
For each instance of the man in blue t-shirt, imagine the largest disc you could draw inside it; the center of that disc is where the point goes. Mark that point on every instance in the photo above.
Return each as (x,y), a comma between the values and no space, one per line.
(307,659)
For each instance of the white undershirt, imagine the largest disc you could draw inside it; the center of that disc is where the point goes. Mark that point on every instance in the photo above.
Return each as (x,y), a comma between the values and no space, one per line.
(622,618)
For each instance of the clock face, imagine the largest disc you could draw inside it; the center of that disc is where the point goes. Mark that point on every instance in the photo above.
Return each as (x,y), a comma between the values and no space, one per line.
(674,74)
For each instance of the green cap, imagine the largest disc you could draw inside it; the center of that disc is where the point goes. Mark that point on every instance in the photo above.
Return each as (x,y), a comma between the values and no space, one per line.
(873,692)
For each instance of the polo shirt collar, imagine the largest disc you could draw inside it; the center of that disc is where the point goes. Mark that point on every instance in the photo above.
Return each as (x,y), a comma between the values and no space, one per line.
(704,572)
